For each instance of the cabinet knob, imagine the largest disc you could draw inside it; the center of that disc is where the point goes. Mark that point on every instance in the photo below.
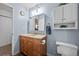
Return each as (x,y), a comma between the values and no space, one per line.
(43,42)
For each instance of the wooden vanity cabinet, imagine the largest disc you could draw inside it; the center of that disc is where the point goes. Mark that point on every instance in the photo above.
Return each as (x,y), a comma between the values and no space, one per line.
(33,46)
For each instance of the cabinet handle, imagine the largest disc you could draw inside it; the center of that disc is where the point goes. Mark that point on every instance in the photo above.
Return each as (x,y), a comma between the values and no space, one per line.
(43,42)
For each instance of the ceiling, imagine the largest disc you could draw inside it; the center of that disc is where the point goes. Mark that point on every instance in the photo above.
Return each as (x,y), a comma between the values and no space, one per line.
(29,5)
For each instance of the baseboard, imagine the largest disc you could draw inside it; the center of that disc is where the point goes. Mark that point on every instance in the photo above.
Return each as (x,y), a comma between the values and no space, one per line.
(17,54)
(49,54)
(5,44)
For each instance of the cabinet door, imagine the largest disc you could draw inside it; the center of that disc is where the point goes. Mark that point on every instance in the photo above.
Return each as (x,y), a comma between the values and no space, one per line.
(37,47)
(44,47)
(25,46)
(30,46)
(31,24)
(58,13)
(70,11)
(41,23)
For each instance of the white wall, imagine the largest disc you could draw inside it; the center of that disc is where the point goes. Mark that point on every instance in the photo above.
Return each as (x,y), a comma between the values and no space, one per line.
(5,25)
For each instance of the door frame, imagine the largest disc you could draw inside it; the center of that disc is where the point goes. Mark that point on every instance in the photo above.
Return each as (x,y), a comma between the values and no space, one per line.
(9,5)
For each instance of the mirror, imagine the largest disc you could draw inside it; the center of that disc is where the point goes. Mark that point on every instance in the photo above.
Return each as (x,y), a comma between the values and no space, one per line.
(36,24)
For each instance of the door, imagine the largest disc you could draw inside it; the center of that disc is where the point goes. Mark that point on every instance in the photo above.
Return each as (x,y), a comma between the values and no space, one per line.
(5,30)
(6,27)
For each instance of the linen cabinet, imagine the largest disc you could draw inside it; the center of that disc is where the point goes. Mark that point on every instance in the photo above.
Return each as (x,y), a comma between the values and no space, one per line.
(66,16)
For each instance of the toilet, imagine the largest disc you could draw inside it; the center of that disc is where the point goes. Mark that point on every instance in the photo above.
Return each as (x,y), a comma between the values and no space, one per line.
(66,49)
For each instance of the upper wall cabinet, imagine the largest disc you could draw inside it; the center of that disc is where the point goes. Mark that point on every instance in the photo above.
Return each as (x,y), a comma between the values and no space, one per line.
(66,16)
(58,13)
(37,23)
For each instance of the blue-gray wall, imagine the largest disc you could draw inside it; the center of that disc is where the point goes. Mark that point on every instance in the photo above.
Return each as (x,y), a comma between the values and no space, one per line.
(19,25)
(67,36)
(63,35)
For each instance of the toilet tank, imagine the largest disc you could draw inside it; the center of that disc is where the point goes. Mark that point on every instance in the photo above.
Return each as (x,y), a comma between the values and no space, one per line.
(66,49)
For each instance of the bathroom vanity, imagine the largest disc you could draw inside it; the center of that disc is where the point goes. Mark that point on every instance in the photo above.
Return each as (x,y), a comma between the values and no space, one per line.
(33,44)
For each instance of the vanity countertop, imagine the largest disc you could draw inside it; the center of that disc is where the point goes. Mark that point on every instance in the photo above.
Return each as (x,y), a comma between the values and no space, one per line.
(38,36)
